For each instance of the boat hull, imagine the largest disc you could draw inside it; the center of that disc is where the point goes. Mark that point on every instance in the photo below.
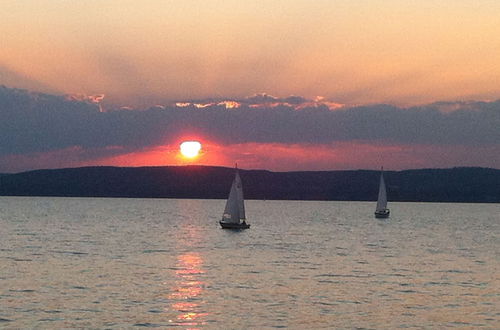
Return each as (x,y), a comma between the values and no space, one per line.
(382,214)
(229,225)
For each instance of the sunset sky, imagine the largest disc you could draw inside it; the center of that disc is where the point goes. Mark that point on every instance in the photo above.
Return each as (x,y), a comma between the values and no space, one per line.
(280,85)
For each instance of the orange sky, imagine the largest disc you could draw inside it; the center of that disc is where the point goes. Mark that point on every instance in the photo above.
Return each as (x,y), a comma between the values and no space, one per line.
(343,52)
(275,157)
(140,53)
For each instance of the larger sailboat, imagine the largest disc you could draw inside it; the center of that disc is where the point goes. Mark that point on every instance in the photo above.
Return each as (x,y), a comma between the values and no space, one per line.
(382,211)
(234,212)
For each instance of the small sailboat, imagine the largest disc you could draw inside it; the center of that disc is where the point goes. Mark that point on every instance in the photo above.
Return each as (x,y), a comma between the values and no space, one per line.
(234,212)
(382,211)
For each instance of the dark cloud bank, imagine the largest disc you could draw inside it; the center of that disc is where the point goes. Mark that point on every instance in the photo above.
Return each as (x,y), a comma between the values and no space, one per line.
(34,122)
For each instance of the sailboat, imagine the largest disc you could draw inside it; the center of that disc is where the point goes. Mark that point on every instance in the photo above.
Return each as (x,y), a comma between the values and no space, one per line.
(234,212)
(382,211)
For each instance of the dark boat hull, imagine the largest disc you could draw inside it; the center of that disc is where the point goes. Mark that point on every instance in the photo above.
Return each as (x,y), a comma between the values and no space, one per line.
(228,225)
(382,214)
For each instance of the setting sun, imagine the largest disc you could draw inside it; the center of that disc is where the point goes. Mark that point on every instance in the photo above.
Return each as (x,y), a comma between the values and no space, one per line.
(190,149)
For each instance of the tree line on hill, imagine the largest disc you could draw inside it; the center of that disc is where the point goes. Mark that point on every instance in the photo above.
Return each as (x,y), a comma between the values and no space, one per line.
(463,184)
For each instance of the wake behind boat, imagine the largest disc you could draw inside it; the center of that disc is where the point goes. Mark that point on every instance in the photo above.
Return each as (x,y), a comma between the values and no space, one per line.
(234,212)
(382,211)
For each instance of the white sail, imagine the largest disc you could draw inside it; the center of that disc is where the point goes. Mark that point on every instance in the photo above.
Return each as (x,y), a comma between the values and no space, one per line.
(382,195)
(239,191)
(235,207)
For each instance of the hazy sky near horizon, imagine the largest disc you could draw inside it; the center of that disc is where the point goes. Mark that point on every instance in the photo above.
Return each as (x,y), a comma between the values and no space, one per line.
(139,53)
(281,85)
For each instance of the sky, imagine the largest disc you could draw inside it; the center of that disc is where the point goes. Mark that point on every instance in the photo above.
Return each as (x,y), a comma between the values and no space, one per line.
(279,85)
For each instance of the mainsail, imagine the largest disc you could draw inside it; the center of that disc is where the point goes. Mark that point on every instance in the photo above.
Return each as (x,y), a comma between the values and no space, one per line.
(382,195)
(235,206)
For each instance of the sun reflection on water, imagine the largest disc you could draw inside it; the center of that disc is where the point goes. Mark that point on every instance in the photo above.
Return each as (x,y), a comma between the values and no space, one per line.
(186,295)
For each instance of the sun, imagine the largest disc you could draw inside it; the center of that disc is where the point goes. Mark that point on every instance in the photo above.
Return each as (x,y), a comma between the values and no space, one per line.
(190,149)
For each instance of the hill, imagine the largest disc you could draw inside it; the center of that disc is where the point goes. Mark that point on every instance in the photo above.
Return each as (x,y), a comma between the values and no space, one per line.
(429,185)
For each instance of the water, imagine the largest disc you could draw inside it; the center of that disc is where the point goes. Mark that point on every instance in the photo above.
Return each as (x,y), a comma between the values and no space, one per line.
(124,263)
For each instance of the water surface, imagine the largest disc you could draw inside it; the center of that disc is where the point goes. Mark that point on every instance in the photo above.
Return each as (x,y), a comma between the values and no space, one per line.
(122,263)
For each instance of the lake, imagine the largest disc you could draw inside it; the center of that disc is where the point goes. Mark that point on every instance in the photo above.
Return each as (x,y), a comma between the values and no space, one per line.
(124,263)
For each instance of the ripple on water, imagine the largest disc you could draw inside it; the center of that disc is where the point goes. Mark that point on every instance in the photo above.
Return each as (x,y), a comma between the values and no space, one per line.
(19,259)
(345,275)
(155,251)
(51,319)
(433,283)
(354,302)
(69,252)
(456,271)
(155,311)
(79,287)
(148,325)
(407,291)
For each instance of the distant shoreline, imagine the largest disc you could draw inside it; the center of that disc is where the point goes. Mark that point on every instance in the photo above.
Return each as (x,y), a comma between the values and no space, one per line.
(248,199)
(452,185)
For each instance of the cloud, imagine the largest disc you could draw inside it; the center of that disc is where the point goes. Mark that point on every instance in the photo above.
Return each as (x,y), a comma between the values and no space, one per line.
(85,98)
(262,100)
(97,99)
(37,123)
